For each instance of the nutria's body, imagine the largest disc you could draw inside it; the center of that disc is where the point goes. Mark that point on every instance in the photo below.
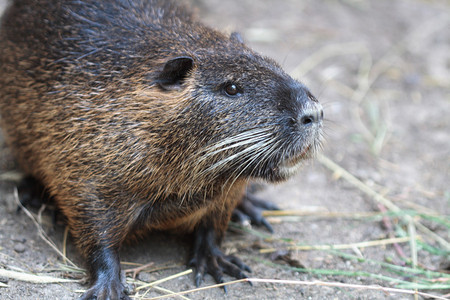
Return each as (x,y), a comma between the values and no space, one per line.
(135,117)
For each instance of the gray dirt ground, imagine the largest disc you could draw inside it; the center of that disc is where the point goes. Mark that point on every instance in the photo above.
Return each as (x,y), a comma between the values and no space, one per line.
(395,137)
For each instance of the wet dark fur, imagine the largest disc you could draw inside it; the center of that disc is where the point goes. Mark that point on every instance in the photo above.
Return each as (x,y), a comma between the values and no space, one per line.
(123,144)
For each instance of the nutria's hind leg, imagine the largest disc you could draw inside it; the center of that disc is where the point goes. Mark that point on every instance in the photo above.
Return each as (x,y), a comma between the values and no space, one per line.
(250,210)
(208,258)
(32,193)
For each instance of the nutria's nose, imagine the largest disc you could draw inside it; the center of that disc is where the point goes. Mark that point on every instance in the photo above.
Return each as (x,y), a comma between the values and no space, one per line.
(312,113)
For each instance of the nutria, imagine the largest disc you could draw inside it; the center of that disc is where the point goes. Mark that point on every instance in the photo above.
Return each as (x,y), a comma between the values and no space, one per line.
(136,117)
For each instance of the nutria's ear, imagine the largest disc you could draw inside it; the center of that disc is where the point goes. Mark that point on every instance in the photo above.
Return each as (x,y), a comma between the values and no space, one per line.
(236,37)
(174,72)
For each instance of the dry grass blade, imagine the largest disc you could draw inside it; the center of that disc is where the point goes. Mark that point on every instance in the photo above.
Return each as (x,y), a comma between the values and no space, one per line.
(201,289)
(14,176)
(33,278)
(325,53)
(66,235)
(164,279)
(413,246)
(169,292)
(379,198)
(320,214)
(41,231)
(344,246)
(385,290)
(341,172)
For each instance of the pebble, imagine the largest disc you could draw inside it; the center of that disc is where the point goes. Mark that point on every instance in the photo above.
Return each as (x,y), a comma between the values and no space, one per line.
(19,248)
(19,239)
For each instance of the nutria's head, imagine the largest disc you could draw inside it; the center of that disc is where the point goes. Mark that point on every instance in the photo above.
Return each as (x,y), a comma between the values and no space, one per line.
(246,117)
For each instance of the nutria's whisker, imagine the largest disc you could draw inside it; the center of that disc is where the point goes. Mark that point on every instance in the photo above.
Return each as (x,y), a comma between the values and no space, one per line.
(260,156)
(239,140)
(248,150)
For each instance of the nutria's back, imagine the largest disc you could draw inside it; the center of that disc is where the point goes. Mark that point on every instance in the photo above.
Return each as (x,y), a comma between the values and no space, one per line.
(137,117)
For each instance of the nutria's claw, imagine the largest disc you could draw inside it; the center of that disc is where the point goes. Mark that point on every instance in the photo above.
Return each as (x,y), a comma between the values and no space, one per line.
(198,279)
(208,258)
(250,209)
(106,290)
(216,265)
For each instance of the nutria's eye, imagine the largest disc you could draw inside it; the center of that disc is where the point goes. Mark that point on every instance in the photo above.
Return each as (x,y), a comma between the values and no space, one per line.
(232,89)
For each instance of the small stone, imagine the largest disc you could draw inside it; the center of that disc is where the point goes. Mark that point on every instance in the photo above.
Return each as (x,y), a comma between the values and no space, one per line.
(19,248)
(4,280)
(19,239)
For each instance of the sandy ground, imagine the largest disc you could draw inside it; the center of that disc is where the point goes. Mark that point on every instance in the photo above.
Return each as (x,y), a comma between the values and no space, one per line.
(381,69)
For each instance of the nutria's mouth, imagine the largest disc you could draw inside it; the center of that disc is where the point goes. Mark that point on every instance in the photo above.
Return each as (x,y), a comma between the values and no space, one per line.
(291,165)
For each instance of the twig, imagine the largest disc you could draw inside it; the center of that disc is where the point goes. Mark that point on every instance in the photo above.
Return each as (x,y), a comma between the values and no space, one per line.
(137,270)
(388,224)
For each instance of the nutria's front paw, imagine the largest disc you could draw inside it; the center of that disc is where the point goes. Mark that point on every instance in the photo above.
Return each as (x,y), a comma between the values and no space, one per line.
(250,210)
(208,258)
(106,289)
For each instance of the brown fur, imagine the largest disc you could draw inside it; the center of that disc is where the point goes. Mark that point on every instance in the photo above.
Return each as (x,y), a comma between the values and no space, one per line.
(122,154)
